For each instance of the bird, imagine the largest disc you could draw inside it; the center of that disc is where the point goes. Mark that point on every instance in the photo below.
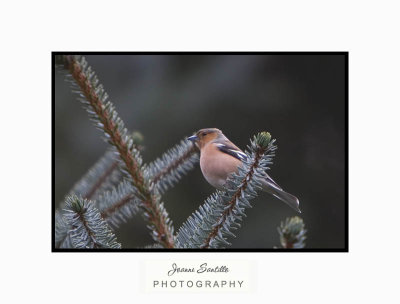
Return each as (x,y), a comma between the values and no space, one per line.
(219,158)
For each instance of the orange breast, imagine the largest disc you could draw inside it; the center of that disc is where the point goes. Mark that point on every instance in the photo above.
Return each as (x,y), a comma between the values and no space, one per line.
(216,165)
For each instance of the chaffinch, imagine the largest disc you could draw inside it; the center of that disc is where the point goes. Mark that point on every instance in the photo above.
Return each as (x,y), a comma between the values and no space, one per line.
(219,158)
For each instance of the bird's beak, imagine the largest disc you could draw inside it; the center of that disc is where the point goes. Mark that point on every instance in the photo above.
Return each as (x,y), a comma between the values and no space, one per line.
(193,138)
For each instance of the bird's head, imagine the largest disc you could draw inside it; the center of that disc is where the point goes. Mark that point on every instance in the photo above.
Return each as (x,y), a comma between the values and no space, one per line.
(204,136)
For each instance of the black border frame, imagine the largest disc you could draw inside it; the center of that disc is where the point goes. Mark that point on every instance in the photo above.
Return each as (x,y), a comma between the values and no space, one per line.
(346,145)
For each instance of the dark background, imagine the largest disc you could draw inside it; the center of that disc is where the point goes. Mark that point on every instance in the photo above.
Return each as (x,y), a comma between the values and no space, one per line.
(299,99)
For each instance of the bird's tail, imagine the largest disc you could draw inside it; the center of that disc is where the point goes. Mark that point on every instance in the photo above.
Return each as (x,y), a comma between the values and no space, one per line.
(271,187)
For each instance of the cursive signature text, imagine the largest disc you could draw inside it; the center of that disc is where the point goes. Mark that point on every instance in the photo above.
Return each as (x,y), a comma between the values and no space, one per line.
(203,268)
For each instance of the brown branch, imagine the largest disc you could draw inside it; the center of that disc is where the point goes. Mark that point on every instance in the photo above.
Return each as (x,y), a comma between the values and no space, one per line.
(110,210)
(101,180)
(232,202)
(149,203)
(288,245)
(174,164)
(95,187)
(90,232)
(123,201)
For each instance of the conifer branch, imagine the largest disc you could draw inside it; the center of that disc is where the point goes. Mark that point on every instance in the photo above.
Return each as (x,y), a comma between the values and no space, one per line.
(116,206)
(115,201)
(106,118)
(120,204)
(103,176)
(62,239)
(167,170)
(292,233)
(87,228)
(101,180)
(212,223)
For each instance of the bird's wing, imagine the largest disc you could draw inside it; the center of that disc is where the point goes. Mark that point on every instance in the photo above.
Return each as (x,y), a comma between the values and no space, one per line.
(232,150)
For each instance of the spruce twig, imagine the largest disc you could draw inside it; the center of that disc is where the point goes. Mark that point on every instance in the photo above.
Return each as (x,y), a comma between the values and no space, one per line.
(103,176)
(106,118)
(115,206)
(120,204)
(167,170)
(62,239)
(292,233)
(88,230)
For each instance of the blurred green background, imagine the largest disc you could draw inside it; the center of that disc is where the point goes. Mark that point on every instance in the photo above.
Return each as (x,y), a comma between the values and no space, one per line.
(299,99)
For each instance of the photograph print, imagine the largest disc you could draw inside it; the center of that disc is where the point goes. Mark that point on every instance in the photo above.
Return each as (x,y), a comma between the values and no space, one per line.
(200,151)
